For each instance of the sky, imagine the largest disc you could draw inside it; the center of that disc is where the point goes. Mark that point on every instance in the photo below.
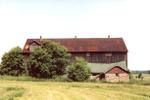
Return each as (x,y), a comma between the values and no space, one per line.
(129,19)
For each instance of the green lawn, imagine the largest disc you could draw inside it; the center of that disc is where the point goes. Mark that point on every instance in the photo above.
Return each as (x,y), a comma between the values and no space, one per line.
(22,88)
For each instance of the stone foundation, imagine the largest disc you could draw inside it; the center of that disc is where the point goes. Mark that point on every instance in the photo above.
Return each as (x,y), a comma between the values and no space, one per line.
(124,77)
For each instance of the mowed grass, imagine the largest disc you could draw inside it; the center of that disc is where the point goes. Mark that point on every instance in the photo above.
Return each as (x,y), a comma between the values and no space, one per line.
(24,88)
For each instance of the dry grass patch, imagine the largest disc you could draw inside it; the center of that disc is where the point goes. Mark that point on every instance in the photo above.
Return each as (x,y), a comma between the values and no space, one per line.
(47,90)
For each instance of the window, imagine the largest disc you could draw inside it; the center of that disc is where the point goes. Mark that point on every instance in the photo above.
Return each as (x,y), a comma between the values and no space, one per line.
(33,46)
(117,74)
(108,54)
(87,54)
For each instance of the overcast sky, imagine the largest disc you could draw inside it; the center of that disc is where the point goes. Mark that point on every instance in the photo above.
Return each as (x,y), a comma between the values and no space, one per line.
(129,19)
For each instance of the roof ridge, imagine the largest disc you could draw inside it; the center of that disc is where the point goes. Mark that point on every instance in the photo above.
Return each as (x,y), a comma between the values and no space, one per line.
(75,38)
(88,44)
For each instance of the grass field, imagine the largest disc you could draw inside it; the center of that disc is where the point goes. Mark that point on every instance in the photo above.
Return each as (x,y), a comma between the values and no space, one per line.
(22,88)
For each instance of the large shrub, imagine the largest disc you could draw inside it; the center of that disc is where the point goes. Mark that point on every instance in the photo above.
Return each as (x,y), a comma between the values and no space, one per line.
(40,64)
(12,63)
(59,56)
(78,70)
(48,60)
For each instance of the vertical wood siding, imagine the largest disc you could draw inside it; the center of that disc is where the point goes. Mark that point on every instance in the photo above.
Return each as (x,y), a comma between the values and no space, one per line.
(101,57)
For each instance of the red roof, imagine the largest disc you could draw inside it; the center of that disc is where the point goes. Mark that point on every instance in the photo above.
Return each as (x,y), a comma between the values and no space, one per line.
(86,44)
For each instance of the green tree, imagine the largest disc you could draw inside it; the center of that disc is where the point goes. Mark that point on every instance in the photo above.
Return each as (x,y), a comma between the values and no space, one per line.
(78,70)
(48,60)
(140,76)
(40,64)
(59,56)
(12,63)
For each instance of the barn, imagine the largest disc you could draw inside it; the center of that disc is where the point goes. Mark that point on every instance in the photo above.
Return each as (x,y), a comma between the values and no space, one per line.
(106,57)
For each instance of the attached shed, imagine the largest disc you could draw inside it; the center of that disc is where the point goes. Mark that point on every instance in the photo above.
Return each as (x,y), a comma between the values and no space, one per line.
(113,72)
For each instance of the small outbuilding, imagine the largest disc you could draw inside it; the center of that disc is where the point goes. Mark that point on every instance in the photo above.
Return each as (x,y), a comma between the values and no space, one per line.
(114,72)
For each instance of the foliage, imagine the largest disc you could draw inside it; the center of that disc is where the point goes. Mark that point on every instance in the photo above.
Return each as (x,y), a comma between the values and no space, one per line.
(40,64)
(78,70)
(48,60)
(140,76)
(59,56)
(12,63)
(130,75)
(59,78)
(144,72)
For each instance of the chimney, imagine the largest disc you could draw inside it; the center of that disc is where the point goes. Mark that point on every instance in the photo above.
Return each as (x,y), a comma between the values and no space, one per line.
(75,37)
(40,38)
(108,36)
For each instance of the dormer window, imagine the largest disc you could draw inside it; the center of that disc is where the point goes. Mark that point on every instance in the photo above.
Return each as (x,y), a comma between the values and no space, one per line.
(33,46)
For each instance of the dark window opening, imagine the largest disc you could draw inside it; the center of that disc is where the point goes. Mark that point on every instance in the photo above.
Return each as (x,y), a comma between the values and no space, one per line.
(117,74)
(102,76)
(87,54)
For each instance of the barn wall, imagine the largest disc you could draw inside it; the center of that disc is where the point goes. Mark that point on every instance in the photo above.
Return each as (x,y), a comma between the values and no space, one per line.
(123,77)
(101,57)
